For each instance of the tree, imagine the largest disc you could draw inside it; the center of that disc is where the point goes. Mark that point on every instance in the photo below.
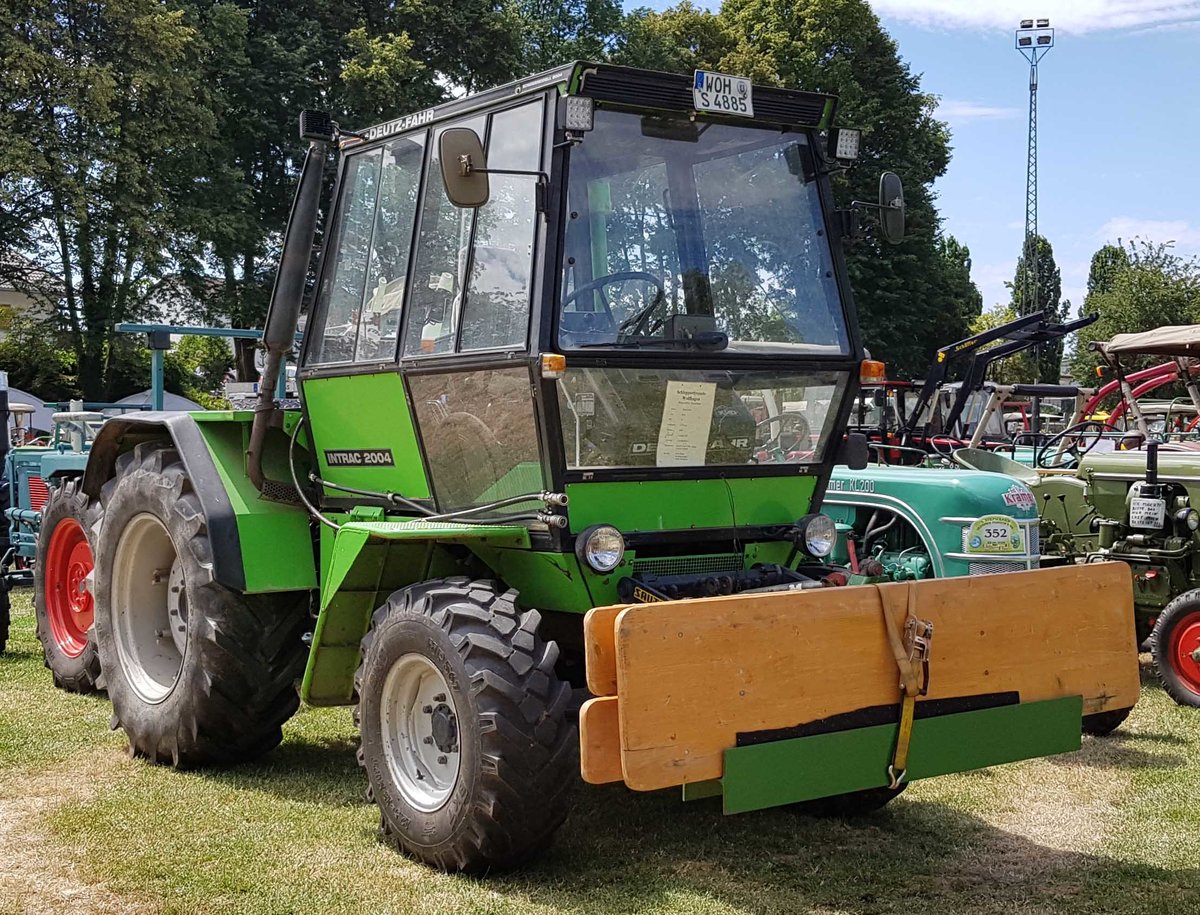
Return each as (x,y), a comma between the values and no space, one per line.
(364,62)
(1046,298)
(105,117)
(917,295)
(678,39)
(558,31)
(1134,287)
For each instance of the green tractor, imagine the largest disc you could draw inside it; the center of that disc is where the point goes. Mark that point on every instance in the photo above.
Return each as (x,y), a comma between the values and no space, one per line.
(535,518)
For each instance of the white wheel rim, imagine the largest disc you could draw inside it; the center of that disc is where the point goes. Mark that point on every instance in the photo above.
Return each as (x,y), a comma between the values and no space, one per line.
(149,621)
(419,723)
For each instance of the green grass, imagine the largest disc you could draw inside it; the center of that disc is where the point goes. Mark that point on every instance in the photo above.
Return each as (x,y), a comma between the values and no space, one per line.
(1113,828)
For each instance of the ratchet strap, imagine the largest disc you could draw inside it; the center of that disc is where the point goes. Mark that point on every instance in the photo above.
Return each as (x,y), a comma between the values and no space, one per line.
(910,648)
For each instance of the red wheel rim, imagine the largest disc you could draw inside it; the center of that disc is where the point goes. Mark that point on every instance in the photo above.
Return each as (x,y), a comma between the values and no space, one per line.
(1184,653)
(68,603)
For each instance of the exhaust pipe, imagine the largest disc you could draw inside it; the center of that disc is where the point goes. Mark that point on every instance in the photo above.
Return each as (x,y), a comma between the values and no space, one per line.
(287,295)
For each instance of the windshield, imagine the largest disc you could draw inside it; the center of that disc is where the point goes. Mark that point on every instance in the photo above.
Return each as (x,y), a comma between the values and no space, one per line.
(635,417)
(689,235)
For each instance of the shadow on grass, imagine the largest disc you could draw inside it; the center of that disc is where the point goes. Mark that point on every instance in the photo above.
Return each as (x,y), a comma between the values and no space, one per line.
(622,852)
(311,770)
(1114,752)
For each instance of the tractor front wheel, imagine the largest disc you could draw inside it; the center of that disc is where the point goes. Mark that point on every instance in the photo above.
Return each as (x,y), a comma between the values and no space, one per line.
(198,674)
(1175,647)
(61,599)
(849,806)
(1101,724)
(465,737)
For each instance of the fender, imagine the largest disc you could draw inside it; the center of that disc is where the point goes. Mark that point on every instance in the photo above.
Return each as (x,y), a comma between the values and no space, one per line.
(258,545)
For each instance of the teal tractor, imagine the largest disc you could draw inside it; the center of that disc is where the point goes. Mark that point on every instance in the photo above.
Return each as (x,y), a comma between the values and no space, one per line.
(536,518)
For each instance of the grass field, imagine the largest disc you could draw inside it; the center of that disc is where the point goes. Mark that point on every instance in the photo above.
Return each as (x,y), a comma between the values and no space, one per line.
(83,828)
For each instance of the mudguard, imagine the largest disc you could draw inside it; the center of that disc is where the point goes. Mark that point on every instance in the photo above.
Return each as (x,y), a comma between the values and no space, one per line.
(258,545)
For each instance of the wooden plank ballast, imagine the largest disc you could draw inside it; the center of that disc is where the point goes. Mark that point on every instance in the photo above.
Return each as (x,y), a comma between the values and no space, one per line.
(692,675)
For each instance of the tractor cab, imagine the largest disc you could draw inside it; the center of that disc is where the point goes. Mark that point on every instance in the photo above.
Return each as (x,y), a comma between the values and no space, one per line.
(582,290)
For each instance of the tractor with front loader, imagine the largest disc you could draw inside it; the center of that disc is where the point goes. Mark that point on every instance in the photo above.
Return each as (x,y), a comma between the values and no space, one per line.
(534,519)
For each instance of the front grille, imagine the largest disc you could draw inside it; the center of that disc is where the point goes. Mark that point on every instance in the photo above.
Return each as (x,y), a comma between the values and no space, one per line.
(993,568)
(993,565)
(39,493)
(688,565)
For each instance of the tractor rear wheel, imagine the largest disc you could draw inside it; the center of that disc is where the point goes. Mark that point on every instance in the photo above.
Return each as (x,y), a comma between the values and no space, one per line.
(5,614)
(198,674)
(1175,647)
(61,599)
(465,736)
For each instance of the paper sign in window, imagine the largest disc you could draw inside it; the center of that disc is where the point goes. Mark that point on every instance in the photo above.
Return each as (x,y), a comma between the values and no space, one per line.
(686,420)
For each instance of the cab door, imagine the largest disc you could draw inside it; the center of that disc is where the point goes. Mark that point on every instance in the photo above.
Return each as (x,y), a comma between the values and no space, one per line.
(417,378)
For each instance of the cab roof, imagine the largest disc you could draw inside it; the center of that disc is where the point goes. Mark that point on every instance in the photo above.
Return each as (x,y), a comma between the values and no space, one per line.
(630,86)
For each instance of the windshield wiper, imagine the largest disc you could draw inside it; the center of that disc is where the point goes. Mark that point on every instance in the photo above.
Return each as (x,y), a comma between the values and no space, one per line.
(705,340)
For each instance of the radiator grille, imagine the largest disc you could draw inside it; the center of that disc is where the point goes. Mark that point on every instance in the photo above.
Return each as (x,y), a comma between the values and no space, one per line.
(39,493)
(688,565)
(992,566)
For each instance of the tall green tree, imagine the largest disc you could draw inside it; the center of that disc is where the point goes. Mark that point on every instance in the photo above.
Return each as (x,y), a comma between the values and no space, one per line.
(364,61)
(917,295)
(104,109)
(1046,297)
(1137,286)
(558,31)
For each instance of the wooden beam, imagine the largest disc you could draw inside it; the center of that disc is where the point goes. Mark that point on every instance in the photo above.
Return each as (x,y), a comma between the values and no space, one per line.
(692,674)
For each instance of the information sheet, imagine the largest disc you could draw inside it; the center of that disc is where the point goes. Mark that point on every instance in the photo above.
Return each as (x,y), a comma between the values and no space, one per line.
(686,421)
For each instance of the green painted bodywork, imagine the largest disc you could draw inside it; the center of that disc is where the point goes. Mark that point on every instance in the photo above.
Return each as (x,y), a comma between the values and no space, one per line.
(927,498)
(807,768)
(276,539)
(672,505)
(367,412)
(364,561)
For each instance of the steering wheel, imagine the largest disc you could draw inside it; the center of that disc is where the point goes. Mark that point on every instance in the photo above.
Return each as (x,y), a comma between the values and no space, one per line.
(801,428)
(612,279)
(1077,447)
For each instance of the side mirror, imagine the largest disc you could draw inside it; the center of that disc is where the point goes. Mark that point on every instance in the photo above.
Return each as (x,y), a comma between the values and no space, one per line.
(891,207)
(854,451)
(464,165)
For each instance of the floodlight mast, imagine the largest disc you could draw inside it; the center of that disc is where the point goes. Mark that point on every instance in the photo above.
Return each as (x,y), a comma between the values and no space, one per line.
(1034,38)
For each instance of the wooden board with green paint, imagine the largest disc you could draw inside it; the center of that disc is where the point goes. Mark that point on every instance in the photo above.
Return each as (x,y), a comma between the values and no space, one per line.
(691,675)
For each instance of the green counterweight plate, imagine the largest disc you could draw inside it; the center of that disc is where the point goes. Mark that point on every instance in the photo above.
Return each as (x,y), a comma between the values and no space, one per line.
(806,768)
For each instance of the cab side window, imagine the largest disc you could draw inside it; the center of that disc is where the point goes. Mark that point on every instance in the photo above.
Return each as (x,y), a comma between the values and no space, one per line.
(363,293)
(496,310)
(441,264)
(346,278)
(387,271)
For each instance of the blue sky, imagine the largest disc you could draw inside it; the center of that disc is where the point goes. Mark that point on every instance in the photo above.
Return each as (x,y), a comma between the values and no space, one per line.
(1118,125)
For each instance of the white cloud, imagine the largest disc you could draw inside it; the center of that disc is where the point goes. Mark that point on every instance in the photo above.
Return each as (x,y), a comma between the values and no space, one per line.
(1184,234)
(956,112)
(1077,16)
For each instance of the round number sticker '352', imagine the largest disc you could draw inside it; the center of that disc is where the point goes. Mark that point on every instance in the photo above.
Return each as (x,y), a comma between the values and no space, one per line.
(995,534)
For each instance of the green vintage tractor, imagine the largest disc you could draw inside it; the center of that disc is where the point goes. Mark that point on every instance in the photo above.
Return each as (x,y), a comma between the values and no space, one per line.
(573,381)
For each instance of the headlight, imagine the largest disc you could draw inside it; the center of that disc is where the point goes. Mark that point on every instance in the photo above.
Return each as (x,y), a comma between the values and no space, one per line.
(600,548)
(1187,520)
(819,534)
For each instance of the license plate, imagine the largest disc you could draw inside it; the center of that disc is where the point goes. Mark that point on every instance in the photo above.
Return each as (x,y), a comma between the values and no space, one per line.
(723,94)
(1148,514)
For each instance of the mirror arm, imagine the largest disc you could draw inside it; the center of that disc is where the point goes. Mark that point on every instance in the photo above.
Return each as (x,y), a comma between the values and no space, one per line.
(543,181)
